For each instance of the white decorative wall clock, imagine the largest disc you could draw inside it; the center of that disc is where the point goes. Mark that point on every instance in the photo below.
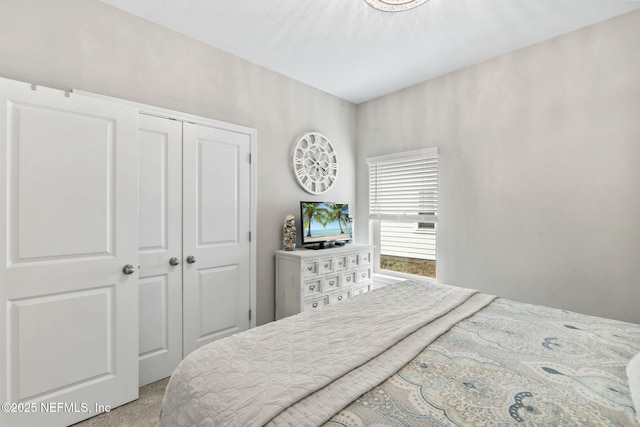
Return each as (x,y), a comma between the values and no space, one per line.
(314,162)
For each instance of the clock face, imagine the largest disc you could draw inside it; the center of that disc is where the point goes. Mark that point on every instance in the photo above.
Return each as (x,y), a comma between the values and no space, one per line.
(315,163)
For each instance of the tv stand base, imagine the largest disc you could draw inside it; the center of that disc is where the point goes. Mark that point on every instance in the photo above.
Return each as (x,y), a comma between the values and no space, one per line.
(326,245)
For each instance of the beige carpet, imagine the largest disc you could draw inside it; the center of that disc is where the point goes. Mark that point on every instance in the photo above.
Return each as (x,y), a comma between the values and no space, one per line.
(143,412)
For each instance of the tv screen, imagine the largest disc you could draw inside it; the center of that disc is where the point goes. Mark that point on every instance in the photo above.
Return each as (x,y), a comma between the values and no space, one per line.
(324,222)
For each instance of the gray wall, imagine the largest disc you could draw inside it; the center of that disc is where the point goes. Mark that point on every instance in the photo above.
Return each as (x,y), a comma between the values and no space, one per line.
(87,45)
(539,196)
(539,178)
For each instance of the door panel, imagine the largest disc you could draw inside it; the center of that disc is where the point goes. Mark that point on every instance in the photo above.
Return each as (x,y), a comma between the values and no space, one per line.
(160,287)
(218,300)
(154,319)
(216,209)
(218,218)
(83,218)
(69,188)
(84,327)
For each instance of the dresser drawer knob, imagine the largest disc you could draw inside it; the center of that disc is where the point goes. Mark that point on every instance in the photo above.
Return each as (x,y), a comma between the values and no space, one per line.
(310,268)
(331,283)
(349,279)
(312,287)
(340,298)
(314,305)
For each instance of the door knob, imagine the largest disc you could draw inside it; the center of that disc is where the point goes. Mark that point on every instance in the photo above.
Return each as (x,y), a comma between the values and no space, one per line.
(191,259)
(174,261)
(128,269)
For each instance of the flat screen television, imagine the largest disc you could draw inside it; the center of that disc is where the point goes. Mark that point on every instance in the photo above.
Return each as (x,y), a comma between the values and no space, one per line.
(325,224)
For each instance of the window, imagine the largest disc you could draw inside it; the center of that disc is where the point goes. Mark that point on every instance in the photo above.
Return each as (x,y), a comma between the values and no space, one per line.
(403,209)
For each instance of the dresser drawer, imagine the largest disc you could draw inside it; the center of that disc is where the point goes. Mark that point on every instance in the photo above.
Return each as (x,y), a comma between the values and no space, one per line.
(331,283)
(364,275)
(315,303)
(337,297)
(312,288)
(365,258)
(310,268)
(326,265)
(341,263)
(354,260)
(359,290)
(349,278)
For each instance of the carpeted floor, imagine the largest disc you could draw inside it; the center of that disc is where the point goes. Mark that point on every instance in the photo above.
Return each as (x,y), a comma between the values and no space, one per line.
(143,412)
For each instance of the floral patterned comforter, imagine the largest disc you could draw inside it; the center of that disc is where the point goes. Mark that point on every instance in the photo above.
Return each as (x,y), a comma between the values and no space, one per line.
(510,364)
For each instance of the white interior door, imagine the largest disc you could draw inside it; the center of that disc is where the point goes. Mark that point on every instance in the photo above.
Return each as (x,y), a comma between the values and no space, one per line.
(68,225)
(216,225)
(160,218)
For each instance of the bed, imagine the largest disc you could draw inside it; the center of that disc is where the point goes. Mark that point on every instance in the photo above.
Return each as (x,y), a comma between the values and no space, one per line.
(413,354)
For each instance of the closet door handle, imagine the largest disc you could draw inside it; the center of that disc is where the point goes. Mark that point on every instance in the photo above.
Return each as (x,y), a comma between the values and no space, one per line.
(128,269)
(191,259)
(174,261)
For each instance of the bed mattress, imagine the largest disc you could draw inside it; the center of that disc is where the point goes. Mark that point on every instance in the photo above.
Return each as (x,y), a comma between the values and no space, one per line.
(510,364)
(412,354)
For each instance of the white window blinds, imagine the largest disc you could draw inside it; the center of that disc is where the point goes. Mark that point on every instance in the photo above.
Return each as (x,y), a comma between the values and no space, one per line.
(404,186)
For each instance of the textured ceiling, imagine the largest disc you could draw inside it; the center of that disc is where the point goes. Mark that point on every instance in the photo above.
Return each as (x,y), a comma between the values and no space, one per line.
(351,50)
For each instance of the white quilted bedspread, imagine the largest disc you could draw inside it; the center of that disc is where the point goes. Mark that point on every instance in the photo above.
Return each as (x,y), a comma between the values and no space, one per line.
(303,369)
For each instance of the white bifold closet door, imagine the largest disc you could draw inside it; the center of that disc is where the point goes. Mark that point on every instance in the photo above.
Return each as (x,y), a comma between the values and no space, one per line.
(160,217)
(195,254)
(68,251)
(216,233)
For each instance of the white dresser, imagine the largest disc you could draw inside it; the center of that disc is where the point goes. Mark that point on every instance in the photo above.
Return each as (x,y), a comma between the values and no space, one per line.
(308,279)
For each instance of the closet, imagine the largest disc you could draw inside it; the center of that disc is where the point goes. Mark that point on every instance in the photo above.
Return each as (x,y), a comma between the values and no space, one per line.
(194,238)
(124,244)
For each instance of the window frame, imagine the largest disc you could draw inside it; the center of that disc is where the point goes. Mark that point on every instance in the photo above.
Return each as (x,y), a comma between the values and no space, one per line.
(375,219)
